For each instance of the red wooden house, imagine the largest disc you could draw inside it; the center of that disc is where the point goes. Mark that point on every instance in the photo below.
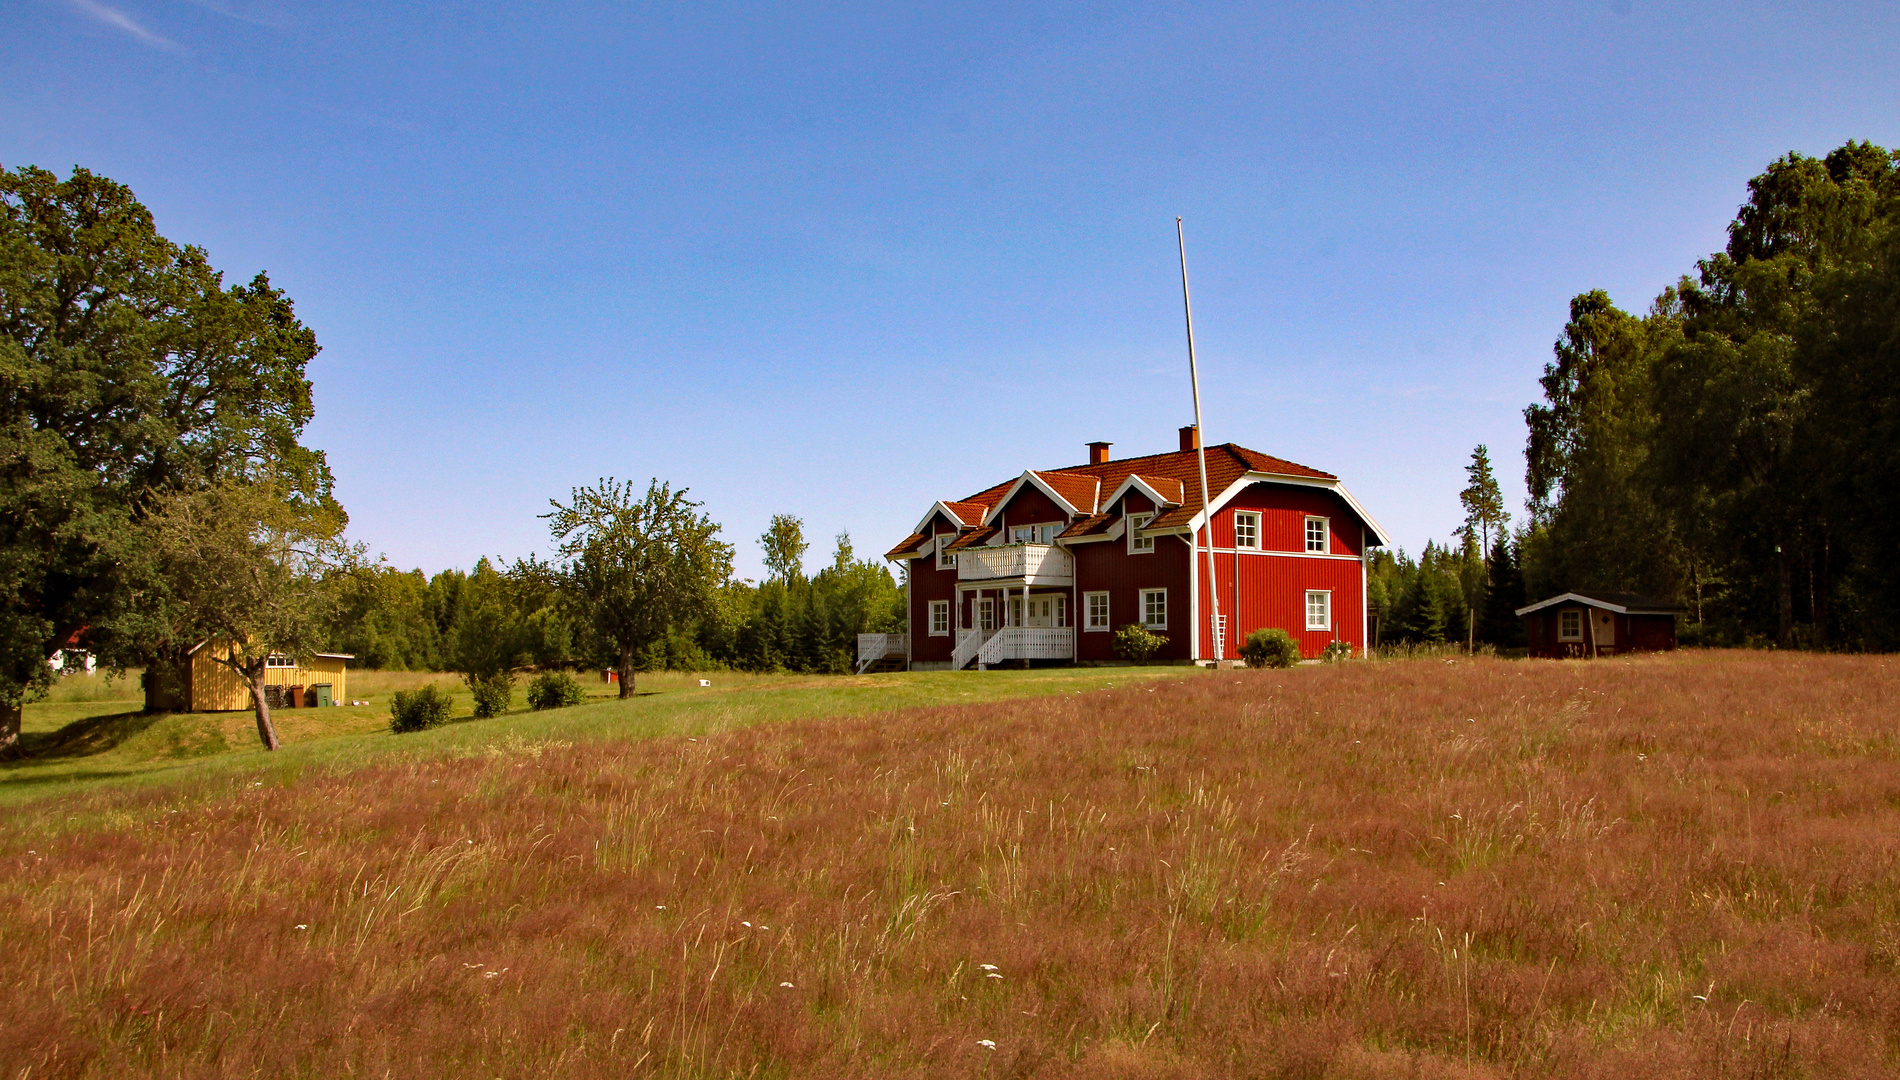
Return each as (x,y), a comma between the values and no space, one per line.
(1048,564)
(1588,624)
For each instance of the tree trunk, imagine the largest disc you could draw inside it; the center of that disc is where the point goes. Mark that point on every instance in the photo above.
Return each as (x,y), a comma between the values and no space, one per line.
(625,671)
(1784,599)
(9,729)
(265,730)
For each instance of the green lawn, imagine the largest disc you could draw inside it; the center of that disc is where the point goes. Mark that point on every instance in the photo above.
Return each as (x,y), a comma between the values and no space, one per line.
(91,735)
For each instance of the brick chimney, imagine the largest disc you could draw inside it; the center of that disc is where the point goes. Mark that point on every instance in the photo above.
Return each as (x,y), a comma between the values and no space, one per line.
(1190,438)
(1098,452)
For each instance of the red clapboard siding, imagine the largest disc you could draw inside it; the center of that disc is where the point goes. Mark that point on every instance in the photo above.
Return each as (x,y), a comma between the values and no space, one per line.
(1283,513)
(928,583)
(1107,566)
(1270,590)
(1030,507)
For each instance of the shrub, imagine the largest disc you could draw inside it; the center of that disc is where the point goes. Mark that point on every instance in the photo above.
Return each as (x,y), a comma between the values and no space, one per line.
(554,690)
(1270,646)
(1135,642)
(416,710)
(1337,651)
(493,694)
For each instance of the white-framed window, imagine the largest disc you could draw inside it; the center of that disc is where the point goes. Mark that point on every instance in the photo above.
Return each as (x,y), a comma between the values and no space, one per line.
(1137,543)
(1044,533)
(1095,611)
(940,618)
(1316,536)
(986,614)
(1319,609)
(1154,609)
(1247,529)
(1570,625)
(279,660)
(946,559)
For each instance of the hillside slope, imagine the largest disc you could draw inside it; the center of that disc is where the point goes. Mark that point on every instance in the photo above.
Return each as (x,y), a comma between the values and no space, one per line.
(1679,866)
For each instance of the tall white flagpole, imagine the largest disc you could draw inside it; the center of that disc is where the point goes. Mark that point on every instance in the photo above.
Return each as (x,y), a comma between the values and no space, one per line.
(1200,446)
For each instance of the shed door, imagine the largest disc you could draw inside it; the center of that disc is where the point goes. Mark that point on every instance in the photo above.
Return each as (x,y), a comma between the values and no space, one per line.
(1606,629)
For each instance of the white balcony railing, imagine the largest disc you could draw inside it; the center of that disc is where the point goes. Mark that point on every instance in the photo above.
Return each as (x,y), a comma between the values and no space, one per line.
(875,647)
(1038,564)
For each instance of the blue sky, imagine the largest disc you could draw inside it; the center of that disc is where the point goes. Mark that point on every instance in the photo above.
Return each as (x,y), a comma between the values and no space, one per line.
(841,260)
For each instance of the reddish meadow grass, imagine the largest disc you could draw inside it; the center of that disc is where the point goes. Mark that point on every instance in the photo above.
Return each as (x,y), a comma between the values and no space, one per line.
(1672,867)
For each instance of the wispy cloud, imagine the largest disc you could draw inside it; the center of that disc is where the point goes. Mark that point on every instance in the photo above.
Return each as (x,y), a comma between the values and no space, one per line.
(119,20)
(256,12)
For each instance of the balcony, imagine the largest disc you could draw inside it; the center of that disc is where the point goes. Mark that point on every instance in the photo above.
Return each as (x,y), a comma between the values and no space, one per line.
(1031,564)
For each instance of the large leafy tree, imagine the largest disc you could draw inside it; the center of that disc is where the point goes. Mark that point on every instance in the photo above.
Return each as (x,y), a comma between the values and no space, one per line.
(1756,454)
(635,569)
(1589,440)
(129,372)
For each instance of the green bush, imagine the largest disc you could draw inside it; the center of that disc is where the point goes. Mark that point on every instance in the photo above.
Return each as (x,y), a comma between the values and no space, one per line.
(1337,651)
(1270,646)
(493,694)
(1136,642)
(416,710)
(554,690)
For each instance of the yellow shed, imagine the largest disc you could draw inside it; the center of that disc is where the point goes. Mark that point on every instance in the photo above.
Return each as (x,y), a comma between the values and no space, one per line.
(210,686)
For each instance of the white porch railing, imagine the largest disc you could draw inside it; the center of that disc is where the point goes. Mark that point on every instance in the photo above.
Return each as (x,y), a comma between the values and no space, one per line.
(875,647)
(1039,564)
(1028,643)
(968,642)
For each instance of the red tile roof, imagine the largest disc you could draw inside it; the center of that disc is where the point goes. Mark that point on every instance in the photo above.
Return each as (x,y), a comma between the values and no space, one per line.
(1175,476)
(1081,492)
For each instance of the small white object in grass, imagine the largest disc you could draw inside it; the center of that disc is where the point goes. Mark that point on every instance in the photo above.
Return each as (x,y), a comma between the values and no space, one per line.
(705,682)
(303,926)
(993,975)
(659,907)
(787,986)
(987,1044)
(747,925)
(987,967)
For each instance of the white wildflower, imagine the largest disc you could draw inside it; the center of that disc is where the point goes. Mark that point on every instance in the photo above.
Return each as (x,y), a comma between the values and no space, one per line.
(987,1044)
(787,986)
(987,967)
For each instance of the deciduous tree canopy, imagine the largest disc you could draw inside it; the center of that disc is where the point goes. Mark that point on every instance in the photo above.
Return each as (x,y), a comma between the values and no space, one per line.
(129,372)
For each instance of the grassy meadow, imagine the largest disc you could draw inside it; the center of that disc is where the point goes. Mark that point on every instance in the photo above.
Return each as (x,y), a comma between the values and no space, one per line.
(1679,866)
(90,732)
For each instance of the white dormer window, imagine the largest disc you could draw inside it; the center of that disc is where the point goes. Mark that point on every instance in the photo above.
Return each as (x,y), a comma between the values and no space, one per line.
(946,559)
(1137,543)
(1044,533)
(1316,536)
(1247,530)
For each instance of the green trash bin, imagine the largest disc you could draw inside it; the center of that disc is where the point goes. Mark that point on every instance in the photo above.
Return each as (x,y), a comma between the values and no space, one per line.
(324,697)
